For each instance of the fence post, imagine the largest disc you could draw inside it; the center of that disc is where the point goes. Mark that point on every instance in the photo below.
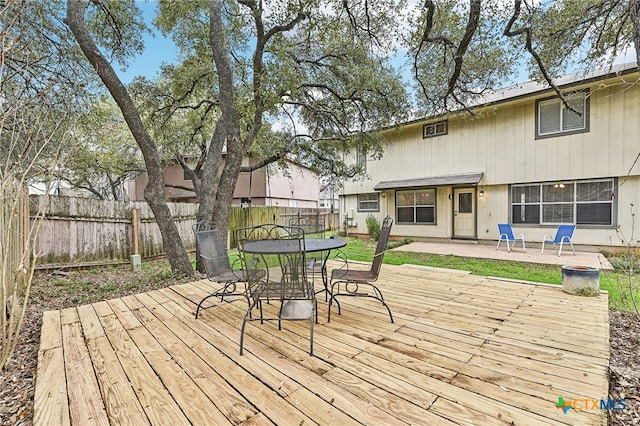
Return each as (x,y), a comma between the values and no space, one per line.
(136,261)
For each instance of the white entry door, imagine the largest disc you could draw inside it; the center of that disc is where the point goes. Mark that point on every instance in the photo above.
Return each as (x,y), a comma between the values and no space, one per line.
(464,213)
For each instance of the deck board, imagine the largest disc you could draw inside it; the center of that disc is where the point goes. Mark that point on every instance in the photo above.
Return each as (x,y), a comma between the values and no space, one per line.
(51,392)
(85,401)
(463,349)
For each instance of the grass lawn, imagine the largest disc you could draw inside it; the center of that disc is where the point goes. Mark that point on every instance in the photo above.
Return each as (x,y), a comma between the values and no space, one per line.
(81,288)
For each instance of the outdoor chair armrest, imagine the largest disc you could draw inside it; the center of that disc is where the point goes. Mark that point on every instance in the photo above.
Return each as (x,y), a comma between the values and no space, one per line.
(311,264)
(251,268)
(341,257)
(235,271)
(345,267)
(237,268)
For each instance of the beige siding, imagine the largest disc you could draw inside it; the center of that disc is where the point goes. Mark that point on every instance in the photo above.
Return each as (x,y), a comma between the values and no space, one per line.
(500,142)
(299,186)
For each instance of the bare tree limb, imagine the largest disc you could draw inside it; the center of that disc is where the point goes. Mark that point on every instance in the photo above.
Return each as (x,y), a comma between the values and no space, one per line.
(426,38)
(184,188)
(472,25)
(280,155)
(528,33)
(458,50)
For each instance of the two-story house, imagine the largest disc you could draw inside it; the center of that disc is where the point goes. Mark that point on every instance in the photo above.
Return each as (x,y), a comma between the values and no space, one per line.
(298,186)
(523,157)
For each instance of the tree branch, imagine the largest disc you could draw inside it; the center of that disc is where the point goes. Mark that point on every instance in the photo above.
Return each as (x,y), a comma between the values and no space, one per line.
(528,32)
(185,188)
(280,155)
(460,49)
(472,25)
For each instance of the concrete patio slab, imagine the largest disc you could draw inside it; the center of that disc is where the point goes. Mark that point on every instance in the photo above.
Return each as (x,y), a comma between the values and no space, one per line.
(533,255)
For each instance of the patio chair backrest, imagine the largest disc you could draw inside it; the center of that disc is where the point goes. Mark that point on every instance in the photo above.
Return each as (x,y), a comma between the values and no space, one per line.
(310,224)
(211,248)
(291,276)
(294,270)
(280,252)
(505,229)
(268,231)
(564,233)
(383,239)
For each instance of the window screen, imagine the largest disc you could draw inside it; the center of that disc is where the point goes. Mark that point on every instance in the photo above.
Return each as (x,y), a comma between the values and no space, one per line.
(416,206)
(582,202)
(368,202)
(554,117)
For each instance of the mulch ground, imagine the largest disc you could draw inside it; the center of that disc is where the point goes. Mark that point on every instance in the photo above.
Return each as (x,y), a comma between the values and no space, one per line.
(17,380)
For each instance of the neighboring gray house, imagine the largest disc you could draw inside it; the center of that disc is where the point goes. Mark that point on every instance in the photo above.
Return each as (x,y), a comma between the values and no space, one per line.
(523,158)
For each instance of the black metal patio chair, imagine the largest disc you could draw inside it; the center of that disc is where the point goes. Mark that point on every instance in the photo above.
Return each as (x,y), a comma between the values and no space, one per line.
(361,283)
(214,257)
(280,251)
(313,225)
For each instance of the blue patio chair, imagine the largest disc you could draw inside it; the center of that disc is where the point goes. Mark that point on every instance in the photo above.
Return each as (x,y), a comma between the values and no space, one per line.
(563,236)
(506,235)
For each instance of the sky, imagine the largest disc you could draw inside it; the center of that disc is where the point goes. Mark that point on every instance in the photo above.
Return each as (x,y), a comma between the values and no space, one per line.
(157,50)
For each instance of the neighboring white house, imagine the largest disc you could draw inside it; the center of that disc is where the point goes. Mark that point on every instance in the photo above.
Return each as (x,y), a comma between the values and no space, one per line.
(522,158)
(58,187)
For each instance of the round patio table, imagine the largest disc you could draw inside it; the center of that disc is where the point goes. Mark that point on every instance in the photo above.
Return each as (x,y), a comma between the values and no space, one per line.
(311,245)
(290,246)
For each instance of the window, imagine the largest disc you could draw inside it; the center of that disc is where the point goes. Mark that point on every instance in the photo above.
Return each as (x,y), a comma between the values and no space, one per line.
(557,203)
(185,175)
(582,203)
(416,206)
(594,203)
(361,159)
(553,118)
(465,202)
(525,201)
(368,202)
(434,129)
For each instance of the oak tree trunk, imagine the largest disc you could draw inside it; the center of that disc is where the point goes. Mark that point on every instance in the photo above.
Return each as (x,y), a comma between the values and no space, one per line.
(154,191)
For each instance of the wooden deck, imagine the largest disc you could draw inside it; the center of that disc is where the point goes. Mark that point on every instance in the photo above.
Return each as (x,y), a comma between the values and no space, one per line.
(464,350)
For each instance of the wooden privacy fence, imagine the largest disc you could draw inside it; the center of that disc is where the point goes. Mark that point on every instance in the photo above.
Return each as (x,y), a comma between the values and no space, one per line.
(249,216)
(14,233)
(85,232)
(16,269)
